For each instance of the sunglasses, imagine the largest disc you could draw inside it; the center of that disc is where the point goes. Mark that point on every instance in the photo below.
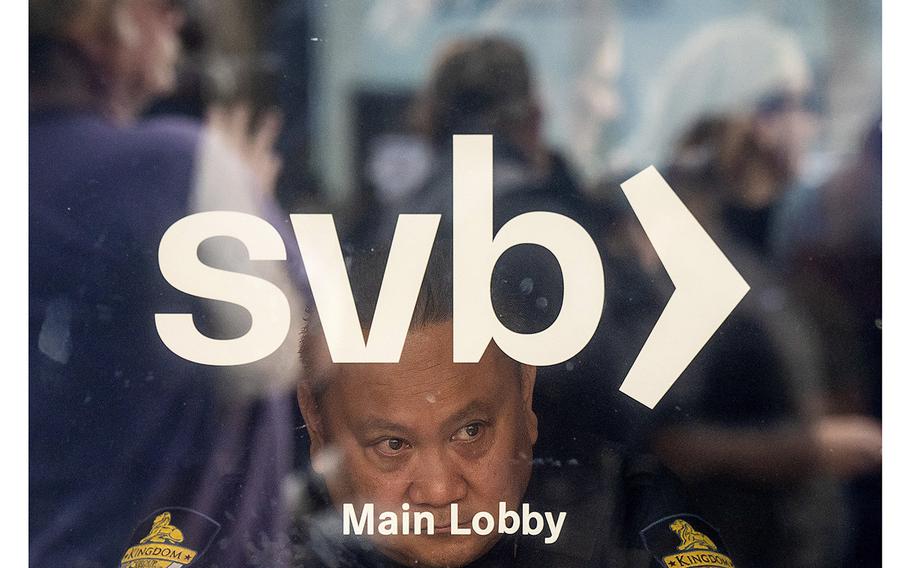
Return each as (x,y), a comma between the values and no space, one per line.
(785,102)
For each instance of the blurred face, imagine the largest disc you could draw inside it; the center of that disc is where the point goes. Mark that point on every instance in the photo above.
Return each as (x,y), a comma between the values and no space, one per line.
(428,432)
(786,126)
(148,46)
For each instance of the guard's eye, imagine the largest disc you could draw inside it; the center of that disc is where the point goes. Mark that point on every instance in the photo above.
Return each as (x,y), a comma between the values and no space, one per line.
(391,446)
(468,433)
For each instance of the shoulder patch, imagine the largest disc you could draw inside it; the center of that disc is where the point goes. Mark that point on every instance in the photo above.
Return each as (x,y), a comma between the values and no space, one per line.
(683,541)
(169,538)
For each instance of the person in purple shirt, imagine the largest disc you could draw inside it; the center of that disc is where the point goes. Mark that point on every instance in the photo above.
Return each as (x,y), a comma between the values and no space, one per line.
(119,425)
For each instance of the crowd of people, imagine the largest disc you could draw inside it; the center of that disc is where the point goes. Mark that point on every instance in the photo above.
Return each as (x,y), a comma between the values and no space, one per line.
(773,433)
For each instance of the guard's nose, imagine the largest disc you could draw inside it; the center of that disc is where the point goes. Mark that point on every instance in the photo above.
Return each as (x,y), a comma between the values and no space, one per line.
(437,481)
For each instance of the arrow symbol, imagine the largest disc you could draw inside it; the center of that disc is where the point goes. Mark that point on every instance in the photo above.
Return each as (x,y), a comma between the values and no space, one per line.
(707,286)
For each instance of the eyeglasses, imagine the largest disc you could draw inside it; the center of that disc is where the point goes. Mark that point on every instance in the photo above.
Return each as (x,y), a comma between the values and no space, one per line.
(785,102)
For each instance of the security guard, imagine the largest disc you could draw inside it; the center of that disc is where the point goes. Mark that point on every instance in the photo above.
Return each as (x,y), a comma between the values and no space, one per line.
(624,513)
(424,434)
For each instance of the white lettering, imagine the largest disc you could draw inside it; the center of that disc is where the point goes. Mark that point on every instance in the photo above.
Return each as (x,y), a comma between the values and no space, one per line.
(505,517)
(475,251)
(408,257)
(453,521)
(364,524)
(388,523)
(181,267)
(555,528)
(423,516)
(482,523)
(527,516)
(488,523)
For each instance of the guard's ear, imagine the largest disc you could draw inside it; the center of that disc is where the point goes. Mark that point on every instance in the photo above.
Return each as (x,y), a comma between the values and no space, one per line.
(312,418)
(528,377)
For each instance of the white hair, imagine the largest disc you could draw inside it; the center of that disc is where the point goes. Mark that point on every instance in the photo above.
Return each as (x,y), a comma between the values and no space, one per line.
(725,68)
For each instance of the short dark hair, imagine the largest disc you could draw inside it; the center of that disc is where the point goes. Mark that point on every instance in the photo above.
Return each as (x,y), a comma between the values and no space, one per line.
(477,84)
(509,290)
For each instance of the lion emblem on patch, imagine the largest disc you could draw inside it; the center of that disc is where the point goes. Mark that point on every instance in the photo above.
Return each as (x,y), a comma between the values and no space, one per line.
(691,539)
(163,531)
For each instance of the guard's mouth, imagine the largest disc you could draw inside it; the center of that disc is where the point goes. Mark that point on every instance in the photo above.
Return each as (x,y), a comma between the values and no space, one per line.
(447,528)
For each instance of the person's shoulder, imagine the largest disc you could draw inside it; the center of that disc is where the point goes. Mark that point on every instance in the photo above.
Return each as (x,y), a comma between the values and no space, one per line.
(159,156)
(619,479)
(619,509)
(174,134)
(63,128)
(592,496)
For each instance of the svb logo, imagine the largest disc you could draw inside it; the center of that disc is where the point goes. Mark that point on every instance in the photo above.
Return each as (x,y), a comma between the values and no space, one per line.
(707,285)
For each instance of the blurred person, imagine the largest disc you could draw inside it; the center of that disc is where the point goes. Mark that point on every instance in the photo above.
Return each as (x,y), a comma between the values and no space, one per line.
(829,239)
(118,425)
(727,67)
(110,57)
(747,426)
(829,246)
(485,85)
(290,46)
(598,105)
(425,433)
(728,120)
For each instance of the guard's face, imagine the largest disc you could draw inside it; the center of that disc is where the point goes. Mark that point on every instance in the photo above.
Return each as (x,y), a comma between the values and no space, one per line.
(429,432)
